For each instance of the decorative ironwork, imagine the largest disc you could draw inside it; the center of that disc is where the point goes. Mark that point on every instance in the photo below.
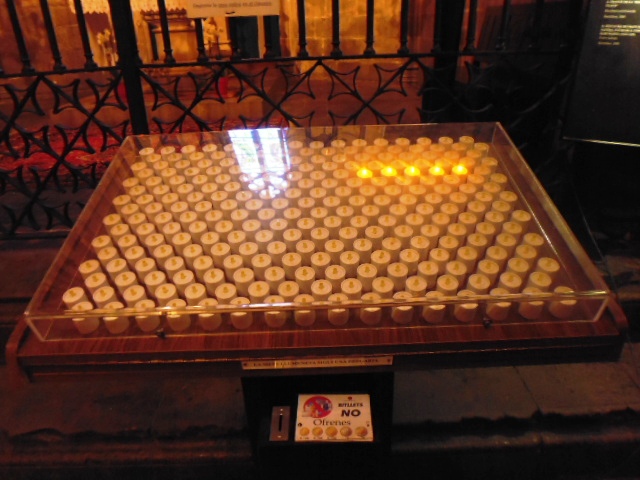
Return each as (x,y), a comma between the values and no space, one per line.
(59,128)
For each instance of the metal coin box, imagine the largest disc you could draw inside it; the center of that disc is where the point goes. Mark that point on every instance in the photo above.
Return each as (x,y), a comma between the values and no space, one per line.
(454,194)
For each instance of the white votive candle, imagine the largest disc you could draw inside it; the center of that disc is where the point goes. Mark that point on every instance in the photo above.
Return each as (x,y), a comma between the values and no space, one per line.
(116,266)
(274,276)
(352,288)
(177,320)
(498,255)
(335,274)
(195,293)
(381,260)
(182,280)
(338,316)
(447,285)
(212,279)
(85,325)
(225,293)
(133,294)
(288,290)
(105,255)
(321,290)
(498,311)
(73,296)
(164,293)
(540,280)
(549,266)
(96,281)
(510,281)
(371,315)
(143,266)
(564,308)
(89,267)
(366,273)
(375,235)
(531,310)
(258,291)
(209,320)
(162,253)
(416,286)
(219,252)
(533,239)
(465,312)
(383,286)
(275,318)
(429,271)
(434,313)
(304,317)
(290,262)
(231,265)
(236,238)
(402,314)
(304,277)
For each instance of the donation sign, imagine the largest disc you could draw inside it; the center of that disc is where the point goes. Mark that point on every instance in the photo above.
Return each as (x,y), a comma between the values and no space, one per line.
(605,102)
(232,8)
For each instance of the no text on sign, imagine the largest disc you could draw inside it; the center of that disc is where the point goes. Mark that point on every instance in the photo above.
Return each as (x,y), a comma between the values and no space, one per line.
(232,8)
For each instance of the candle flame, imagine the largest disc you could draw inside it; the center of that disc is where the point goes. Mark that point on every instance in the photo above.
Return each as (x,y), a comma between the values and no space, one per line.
(436,170)
(412,171)
(364,172)
(459,169)
(389,171)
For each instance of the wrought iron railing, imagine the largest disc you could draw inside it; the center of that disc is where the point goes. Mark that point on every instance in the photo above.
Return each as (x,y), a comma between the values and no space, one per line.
(65,107)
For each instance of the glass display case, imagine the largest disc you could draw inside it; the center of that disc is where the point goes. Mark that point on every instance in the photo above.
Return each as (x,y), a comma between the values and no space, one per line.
(290,242)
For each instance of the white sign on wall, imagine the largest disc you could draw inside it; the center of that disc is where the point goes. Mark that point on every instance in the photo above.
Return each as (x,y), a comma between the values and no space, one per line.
(232,8)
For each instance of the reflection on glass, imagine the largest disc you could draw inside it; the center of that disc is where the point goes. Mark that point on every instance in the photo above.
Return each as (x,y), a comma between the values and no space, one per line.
(263,169)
